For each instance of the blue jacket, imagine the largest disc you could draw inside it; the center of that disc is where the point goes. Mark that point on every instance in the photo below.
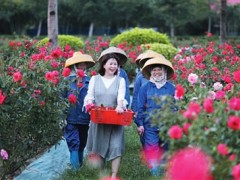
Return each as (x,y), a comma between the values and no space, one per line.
(139,82)
(124,75)
(146,103)
(76,114)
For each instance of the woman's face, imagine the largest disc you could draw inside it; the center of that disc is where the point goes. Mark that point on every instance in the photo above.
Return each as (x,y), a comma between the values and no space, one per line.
(157,72)
(111,66)
(81,66)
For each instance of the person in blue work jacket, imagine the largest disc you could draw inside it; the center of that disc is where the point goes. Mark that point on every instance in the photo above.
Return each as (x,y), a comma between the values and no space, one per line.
(158,71)
(76,130)
(140,80)
(121,72)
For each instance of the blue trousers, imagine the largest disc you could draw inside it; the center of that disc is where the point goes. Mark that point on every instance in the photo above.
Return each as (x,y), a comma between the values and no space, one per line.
(76,136)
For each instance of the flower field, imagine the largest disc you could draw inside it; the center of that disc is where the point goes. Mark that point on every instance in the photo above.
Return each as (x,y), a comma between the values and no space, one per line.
(206,126)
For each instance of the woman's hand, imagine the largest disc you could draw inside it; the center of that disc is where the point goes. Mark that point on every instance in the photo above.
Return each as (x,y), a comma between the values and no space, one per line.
(140,130)
(89,107)
(119,109)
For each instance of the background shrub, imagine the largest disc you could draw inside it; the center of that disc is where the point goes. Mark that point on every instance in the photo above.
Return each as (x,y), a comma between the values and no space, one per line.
(63,40)
(166,50)
(139,36)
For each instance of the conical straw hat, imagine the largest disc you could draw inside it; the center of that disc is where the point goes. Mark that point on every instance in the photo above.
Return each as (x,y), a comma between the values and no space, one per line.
(114,50)
(146,70)
(149,54)
(78,57)
(139,59)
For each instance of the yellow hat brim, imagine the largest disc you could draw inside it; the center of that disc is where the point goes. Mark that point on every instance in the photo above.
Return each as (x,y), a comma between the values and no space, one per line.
(78,57)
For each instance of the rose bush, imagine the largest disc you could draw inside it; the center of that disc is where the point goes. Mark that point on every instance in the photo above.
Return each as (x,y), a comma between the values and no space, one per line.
(207,95)
(31,107)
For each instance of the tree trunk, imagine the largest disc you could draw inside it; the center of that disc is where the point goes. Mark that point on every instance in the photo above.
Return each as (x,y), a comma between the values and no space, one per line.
(39,28)
(53,23)
(209,23)
(209,17)
(223,21)
(67,28)
(90,32)
(172,34)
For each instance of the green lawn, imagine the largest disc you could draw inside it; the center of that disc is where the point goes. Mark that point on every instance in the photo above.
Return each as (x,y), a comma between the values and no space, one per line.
(131,167)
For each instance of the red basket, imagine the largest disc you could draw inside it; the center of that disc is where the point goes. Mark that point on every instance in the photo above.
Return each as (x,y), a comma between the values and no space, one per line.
(106,115)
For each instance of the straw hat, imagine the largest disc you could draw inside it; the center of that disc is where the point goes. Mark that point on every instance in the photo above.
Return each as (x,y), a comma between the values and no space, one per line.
(80,58)
(149,54)
(146,70)
(138,59)
(119,52)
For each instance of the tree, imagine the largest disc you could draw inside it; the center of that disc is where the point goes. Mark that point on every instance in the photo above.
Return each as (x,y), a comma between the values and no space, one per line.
(223,21)
(180,12)
(53,22)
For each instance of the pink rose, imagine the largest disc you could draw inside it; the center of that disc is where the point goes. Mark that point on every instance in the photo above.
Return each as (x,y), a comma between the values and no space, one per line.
(17,76)
(4,154)
(175,132)
(192,78)
(222,149)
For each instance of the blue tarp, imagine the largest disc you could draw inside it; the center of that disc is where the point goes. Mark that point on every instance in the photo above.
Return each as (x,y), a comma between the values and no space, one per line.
(48,166)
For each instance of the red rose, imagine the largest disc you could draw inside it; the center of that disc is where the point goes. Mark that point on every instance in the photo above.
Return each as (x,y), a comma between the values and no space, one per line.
(175,132)
(17,76)
(72,99)
(93,73)
(66,72)
(222,149)
(233,122)
(208,105)
(80,73)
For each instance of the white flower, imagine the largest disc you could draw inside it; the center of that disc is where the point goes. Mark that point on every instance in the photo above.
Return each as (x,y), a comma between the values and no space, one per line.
(217,86)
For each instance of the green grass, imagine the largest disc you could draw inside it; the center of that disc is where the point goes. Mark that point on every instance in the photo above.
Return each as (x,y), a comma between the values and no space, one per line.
(131,167)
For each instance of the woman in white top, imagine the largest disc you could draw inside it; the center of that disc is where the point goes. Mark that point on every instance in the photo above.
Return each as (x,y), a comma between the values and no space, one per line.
(107,89)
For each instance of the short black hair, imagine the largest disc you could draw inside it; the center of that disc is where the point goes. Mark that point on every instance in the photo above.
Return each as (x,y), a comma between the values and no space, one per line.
(104,60)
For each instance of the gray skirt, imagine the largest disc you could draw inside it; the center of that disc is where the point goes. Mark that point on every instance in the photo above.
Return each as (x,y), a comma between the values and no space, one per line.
(106,140)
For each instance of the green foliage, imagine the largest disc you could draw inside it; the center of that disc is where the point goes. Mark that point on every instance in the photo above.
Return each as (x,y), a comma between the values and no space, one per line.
(167,50)
(138,36)
(63,40)
(31,113)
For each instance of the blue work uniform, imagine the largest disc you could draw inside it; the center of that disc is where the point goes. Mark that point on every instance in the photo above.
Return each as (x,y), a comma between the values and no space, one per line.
(124,75)
(146,107)
(139,82)
(78,120)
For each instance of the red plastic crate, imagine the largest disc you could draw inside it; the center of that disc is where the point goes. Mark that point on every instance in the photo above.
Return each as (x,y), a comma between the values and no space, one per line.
(106,115)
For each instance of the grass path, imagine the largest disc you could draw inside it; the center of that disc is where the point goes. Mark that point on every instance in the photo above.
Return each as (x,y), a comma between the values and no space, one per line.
(131,167)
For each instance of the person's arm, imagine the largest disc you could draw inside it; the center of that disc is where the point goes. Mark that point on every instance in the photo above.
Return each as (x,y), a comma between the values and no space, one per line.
(141,109)
(141,105)
(89,98)
(124,75)
(136,88)
(121,96)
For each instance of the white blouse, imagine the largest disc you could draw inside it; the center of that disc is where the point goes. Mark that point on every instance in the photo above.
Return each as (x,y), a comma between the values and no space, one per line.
(107,82)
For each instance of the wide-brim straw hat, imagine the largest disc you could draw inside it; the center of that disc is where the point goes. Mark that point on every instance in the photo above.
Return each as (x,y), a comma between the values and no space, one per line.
(149,54)
(78,57)
(114,50)
(146,70)
(138,59)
